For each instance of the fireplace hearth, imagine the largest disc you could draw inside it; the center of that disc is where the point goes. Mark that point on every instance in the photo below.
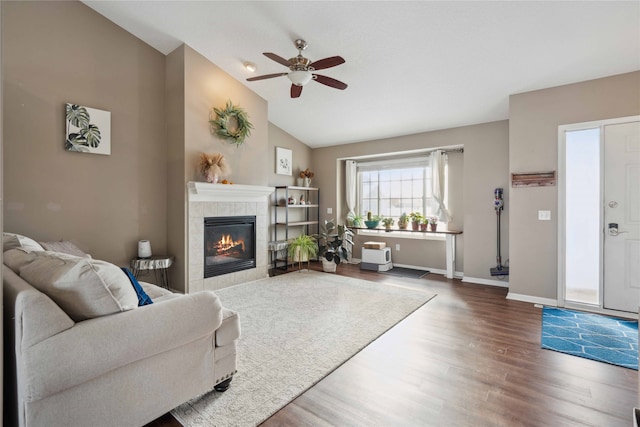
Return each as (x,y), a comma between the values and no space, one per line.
(229,244)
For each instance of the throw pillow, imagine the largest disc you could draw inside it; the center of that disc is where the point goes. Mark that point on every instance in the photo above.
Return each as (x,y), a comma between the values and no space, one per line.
(84,288)
(65,247)
(15,259)
(143,298)
(13,241)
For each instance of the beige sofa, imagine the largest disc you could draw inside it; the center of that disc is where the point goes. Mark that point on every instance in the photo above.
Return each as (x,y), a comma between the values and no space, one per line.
(121,369)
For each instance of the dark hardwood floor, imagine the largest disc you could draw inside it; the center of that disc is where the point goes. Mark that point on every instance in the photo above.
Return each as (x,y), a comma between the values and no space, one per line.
(469,357)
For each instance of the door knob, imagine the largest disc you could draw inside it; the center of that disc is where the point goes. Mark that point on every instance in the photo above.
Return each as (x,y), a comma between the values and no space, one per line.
(613,204)
(613,229)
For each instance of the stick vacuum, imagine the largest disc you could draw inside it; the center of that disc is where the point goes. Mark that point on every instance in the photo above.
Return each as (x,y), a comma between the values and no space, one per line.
(498,205)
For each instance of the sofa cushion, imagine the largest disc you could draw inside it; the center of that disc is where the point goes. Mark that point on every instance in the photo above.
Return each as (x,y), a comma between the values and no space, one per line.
(65,247)
(143,298)
(84,288)
(156,292)
(12,241)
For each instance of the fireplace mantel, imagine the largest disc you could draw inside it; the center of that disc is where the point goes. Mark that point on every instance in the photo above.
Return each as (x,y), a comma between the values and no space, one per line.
(225,200)
(205,192)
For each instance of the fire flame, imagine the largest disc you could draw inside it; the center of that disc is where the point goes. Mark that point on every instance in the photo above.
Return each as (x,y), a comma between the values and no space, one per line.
(226,243)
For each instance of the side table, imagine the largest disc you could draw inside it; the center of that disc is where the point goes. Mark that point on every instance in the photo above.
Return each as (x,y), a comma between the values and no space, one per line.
(158,264)
(278,251)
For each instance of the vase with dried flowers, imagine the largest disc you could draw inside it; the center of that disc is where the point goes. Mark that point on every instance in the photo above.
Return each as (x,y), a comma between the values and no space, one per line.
(213,166)
(306,175)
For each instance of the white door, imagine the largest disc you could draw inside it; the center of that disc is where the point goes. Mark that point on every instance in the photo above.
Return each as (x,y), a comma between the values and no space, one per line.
(622,216)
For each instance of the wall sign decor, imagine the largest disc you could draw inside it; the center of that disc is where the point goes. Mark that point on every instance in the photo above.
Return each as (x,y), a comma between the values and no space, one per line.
(88,130)
(533,179)
(284,161)
(232,122)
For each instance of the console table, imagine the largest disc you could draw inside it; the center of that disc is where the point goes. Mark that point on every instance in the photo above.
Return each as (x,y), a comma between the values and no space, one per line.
(450,245)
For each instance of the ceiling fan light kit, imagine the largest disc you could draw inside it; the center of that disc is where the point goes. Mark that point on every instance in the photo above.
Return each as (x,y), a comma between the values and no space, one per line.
(300,78)
(301,70)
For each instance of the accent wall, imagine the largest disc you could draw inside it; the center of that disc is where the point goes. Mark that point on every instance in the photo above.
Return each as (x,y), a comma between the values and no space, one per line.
(60,52)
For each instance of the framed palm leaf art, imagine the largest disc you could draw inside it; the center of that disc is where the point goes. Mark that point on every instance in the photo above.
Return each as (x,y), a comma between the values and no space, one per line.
(88,130)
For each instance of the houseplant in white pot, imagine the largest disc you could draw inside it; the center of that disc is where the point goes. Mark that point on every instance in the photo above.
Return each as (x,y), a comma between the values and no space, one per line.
(302,249)
(335,242)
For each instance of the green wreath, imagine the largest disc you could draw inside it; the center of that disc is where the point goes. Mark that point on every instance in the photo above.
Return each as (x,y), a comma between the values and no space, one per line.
(222,121)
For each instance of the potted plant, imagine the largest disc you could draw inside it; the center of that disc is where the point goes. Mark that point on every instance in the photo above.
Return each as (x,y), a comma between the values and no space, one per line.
(416,219)
(372,220)
(433,222)
(403,221)
(332,247)
(424,222)
(387,222)
(355,219)
(302,248)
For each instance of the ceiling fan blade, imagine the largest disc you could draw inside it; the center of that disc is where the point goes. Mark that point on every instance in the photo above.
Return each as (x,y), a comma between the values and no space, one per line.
(278,59)
(327,63)
(330,82)
(296,91)
(266,76)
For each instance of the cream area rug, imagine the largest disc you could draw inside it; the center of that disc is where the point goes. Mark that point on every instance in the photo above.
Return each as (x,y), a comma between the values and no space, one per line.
(296,329)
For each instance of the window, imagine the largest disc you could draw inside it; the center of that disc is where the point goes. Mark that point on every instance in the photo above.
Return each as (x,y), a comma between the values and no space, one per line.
(390,187)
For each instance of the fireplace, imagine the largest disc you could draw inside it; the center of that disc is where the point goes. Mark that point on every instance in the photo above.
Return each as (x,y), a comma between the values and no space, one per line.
(229,244)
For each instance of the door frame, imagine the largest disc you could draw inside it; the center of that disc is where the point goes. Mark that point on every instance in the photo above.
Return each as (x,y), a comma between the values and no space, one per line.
(561,180)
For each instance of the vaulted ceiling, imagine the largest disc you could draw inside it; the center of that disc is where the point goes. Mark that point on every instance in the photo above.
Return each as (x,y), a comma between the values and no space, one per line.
(410,66)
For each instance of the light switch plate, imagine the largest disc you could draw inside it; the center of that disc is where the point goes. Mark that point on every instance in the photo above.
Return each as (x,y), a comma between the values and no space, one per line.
(329,211)
(544,215)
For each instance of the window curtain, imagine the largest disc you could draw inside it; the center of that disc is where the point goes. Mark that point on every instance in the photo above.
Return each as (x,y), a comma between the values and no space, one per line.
(437,162)
(351,185)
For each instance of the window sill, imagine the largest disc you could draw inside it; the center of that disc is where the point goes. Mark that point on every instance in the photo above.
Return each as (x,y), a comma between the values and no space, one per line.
(400,234)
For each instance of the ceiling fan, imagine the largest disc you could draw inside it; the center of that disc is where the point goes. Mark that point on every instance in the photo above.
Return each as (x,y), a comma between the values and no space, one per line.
(302,70)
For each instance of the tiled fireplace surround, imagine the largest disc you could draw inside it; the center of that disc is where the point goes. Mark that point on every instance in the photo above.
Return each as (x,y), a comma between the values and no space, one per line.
(211,200)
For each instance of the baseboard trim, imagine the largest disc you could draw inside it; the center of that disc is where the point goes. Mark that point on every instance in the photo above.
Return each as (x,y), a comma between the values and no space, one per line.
(532,299)
(481,281)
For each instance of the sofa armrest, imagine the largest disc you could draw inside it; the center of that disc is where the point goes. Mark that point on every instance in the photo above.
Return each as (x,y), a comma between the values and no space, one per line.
(33,315)
(96,346)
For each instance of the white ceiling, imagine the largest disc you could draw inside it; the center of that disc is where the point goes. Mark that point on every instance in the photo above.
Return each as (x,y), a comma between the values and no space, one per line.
(411,66)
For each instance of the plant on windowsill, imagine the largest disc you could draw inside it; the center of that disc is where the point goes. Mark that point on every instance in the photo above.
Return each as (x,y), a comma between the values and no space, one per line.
(416,219)
(372,220)
(355,220)
(388,222)
(403,221)
(433,222)
(302,249)
(333,249)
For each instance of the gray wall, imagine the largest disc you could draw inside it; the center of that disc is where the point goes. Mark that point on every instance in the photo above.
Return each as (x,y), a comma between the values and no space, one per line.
(301,160)
(533,147)
(59,52)
(483,167)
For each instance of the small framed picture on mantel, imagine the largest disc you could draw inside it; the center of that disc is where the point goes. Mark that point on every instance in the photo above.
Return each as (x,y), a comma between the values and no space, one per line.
(284,161)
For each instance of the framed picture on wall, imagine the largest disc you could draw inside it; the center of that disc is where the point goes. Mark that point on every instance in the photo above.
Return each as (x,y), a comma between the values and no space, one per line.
(88,130)
(284,161)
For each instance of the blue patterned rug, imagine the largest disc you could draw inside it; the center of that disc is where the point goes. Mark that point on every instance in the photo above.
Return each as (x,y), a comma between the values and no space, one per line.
(592,336)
